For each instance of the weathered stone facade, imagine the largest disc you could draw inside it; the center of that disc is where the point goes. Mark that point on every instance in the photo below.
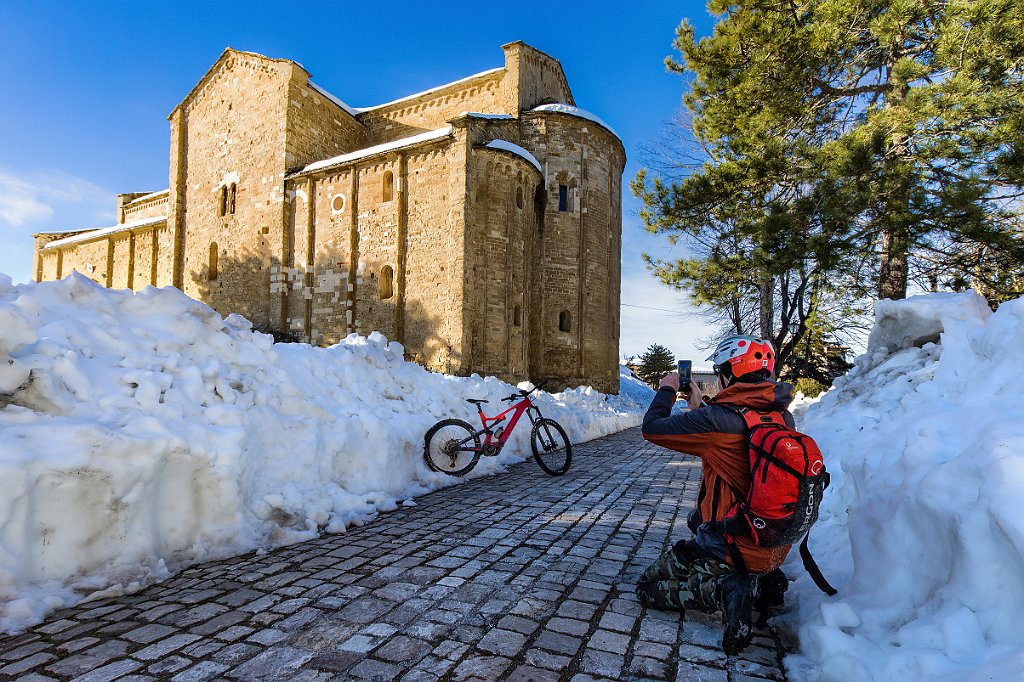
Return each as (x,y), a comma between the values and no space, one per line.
(478,223)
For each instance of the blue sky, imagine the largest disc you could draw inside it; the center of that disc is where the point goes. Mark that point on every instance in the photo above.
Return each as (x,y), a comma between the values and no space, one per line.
(87,88)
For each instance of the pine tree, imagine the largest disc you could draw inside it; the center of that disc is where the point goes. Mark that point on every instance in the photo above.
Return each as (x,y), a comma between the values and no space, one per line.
(839,150)
(655,362)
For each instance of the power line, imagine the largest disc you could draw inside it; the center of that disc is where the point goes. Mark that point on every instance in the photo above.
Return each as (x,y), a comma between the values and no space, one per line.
(664,310)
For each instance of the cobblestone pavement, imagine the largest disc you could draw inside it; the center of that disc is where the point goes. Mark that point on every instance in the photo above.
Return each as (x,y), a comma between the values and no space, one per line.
(519,576)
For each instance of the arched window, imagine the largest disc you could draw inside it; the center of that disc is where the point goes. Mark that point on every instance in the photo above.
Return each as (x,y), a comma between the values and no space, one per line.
(565,321)
(563,198)
(223,201)
(519,197)
(231,198)
(517,316)
(389,186)
(386,286)
(211,272)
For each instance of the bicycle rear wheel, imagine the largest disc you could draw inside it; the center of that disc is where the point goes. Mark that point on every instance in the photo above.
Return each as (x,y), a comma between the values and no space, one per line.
(551,447)
(451,447)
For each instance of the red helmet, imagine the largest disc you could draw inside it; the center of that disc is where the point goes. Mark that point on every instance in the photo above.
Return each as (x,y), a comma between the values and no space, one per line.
(744,354)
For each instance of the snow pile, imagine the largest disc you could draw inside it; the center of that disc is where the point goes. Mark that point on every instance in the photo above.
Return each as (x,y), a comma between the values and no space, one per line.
(142,432)
(921,531)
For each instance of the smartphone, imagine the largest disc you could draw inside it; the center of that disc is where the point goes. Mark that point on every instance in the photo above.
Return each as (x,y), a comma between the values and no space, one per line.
(684,374)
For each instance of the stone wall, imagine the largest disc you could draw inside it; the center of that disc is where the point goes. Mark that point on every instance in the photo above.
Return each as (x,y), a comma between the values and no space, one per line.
(233,126)
(578,256)
(142,207)
(488,92)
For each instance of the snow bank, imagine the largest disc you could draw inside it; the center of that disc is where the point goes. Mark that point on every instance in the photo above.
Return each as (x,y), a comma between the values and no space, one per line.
(143,432)
(507,146)
(921,531)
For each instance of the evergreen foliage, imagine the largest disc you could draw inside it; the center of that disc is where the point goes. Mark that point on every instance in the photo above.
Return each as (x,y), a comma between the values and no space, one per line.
(841,150)
(655,362)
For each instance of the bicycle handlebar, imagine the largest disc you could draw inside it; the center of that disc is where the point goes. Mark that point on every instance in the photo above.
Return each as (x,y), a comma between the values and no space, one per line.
(522,393)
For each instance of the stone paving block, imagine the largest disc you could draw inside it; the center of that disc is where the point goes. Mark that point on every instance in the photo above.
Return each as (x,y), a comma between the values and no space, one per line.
(526,673)
(206,670)
(547,660)
(481,668)
(165,646)
(274,663)
(502,642)
(148,633)
(612,642)
(569,626)
(27,663)
(110,671)
(402,649)
(379,671)
(648,667)
(602,663)
(166,666)
(692,672)
(558,643)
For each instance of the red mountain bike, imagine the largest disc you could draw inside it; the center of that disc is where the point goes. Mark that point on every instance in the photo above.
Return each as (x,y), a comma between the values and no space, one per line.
(453,447)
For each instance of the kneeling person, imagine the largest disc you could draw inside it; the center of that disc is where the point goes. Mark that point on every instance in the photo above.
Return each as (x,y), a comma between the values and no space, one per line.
(713,571)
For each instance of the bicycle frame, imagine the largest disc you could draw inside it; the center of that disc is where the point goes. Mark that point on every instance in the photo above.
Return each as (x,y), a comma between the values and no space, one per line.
(525,406)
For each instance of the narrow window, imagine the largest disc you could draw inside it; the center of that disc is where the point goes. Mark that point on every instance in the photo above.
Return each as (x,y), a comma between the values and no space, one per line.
(389,186)
(517,316)
(231,199)
(519,197)
(211,273)
(563,197)
(564,321)
(223,200)
(387,282)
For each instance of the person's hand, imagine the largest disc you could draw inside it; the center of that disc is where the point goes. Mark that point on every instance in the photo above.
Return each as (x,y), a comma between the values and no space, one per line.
(671,380)
(693,400)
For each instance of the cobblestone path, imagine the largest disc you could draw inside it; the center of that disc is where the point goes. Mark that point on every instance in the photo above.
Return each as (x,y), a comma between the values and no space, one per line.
(519,576)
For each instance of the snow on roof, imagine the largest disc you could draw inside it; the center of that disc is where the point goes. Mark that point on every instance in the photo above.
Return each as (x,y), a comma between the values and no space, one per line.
(431,90)
(478,114)
(515,149)
(346,108)
(576,111)
(376,149)
(104,231)
(149,196)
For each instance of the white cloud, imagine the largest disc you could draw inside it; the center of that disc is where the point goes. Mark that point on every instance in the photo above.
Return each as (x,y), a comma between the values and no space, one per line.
(19,202)
(32,197)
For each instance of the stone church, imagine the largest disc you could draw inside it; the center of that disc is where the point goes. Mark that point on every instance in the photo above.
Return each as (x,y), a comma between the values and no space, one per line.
(478,223)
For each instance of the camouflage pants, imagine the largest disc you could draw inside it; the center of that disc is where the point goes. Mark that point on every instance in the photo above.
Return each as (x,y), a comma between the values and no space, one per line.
(674,584)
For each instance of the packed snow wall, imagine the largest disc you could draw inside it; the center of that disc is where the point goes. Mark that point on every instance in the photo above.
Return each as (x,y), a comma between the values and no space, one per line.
(143,432)
(921,530)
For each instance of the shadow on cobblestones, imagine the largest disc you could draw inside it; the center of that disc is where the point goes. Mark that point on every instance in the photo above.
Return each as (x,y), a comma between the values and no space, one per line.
(518,576)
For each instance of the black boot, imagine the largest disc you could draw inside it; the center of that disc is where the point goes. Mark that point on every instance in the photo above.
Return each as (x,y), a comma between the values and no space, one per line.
(772,594)
(738,592)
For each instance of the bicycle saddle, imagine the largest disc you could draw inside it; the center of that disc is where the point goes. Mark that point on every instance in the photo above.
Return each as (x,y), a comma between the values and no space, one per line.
(475,401)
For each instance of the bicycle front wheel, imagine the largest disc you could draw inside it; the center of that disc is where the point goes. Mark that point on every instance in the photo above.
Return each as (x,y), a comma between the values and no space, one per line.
(551,447)
(451,447)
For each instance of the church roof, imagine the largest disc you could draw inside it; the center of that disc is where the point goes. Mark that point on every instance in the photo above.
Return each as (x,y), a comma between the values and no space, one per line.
(431,90)
(374,150)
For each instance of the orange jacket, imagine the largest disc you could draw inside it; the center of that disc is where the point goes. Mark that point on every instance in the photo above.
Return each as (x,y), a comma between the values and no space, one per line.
(719,437)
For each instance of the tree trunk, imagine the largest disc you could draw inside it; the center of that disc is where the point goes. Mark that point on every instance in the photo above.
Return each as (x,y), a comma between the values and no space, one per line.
(767,313)
(894,207)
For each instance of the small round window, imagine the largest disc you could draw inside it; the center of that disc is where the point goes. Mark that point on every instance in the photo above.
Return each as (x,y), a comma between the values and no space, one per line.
(338,203)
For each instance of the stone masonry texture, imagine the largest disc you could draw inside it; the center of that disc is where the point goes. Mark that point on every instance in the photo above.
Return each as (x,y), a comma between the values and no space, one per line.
(470,256)
(517,576)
